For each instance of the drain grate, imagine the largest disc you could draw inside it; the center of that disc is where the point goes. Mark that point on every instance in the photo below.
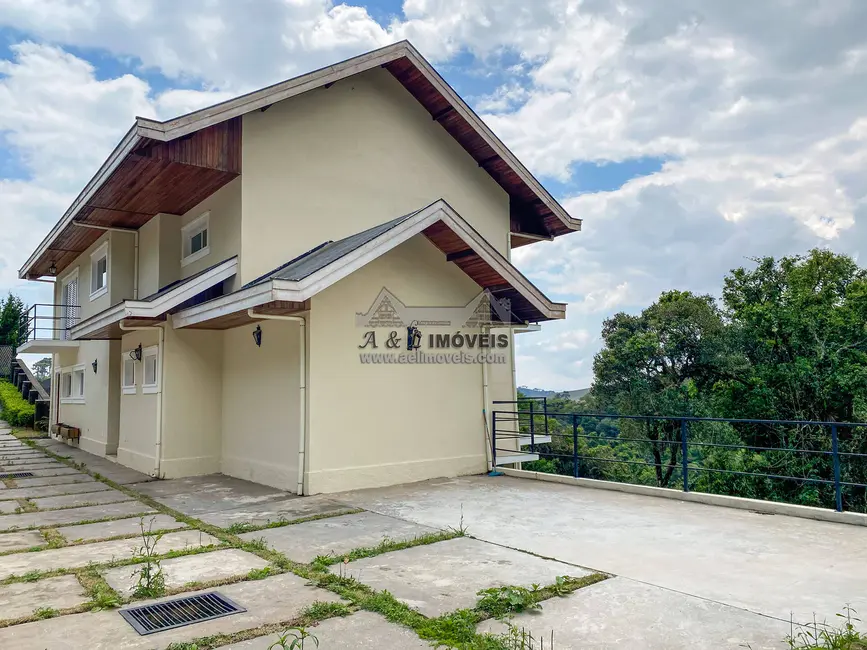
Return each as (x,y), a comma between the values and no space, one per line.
(179,612)
(17,475)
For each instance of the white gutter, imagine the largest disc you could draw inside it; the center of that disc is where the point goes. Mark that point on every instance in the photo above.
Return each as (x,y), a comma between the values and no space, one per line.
(302,387)
(158,442)
(135,254)
(485,411)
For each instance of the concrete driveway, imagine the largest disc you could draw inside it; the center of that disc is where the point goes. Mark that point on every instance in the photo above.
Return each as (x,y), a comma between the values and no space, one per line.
(768,565)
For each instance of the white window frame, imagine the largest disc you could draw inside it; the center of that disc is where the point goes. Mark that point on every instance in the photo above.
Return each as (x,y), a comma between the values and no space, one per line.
(154,387)
(197,225)
(74,396)
(95,257)
(127,389)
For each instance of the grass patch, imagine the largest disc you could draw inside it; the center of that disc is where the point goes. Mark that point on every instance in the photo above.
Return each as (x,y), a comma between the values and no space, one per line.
(243,527)
(259,574)
(385,546)
(53,538)
(42,613)
(823,636)
(102,596)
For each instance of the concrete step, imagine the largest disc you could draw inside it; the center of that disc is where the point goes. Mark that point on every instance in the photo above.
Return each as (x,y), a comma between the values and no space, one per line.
(537,439)
(509,458)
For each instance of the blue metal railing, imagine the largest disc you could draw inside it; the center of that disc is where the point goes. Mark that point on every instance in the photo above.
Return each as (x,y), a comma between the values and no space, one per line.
(530,418)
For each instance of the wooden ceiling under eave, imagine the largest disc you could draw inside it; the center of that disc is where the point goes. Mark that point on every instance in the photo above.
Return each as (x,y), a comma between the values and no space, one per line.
(456,251)
(171,177)
(529,213)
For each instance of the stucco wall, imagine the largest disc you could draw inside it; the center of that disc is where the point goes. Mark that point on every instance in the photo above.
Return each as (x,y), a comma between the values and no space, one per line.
(97,417)
(261,405)
(191,401)
(336,161)
(374,425)
(149,257)
(138,413)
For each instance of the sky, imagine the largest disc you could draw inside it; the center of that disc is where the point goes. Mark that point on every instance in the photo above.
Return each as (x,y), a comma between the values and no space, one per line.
(691,136)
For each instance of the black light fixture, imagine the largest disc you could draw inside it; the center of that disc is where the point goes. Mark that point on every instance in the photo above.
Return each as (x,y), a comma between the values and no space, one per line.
(135,355)
(257,336)
(52,270)
(94,366)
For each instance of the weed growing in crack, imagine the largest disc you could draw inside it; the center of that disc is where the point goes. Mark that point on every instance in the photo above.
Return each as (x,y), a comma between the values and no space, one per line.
(294,639)
(520,639)
(31,576)
(500,602)
(53,538)
(259,574)
(320,610)
(822,636)
(45,612)
(461,530)
(258,544)
(151,581)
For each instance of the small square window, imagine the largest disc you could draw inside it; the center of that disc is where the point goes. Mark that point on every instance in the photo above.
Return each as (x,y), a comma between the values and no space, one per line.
(99,272)
(72,385)
(66,385)
(150,370)
(195,239)
(128,380)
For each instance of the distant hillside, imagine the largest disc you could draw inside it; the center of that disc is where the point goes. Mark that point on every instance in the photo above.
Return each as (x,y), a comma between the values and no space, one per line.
(541,392)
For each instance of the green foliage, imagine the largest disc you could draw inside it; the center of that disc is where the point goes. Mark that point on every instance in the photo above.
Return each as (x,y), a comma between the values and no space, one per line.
(45,612)
(10,320)
(500,602)
(16,410)
(320,610)
(42,369)
(295,638)
(822,636)
(151,582)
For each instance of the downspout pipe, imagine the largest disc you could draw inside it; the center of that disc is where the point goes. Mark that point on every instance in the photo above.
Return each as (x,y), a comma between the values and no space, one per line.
(158,439)
(135,253)
(302,386)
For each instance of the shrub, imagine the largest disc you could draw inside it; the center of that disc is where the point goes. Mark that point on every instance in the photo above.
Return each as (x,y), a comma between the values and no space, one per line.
(16,410)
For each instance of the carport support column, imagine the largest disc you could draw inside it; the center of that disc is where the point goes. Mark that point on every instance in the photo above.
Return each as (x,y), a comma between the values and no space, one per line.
(302,387)
(161,356)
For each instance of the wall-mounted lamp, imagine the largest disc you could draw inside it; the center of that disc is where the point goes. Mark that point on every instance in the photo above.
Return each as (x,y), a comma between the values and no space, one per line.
(257,336)
(94,366)
(135,355)
(52,270)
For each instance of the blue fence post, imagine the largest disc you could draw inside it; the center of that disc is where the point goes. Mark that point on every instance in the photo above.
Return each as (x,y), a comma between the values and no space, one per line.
(493,440)
(684,459)
(575,471)
(532,429)
(835,449)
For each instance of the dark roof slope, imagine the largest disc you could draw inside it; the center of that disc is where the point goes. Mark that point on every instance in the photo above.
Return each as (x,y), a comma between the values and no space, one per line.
(318,258)
(177,283)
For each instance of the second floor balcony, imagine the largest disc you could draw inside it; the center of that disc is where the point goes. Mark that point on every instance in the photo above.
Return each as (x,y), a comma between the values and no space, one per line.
(45,328)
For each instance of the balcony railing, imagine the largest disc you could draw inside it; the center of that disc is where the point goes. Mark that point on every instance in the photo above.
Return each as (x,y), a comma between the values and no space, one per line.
(805,462)
(46,322)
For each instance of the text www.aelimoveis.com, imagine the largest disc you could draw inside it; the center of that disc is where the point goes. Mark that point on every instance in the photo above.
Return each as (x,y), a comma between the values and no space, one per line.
(419,357)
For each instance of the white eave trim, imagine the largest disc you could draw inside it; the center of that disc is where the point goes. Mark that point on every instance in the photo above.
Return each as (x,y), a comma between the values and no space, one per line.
(303,290)
(159,306)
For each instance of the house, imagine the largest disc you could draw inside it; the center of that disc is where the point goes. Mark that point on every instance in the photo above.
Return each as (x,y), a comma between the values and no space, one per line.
(208,283)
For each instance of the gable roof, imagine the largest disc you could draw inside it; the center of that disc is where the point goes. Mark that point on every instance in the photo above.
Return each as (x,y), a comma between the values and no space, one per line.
(288,288)
(190,157)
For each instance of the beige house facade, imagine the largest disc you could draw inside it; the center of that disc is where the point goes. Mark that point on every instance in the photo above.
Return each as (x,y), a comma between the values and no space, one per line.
(207,283)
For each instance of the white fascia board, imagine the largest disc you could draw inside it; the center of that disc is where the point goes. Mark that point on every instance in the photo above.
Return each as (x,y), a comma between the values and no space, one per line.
(129,142)
(155,308)
(239,300)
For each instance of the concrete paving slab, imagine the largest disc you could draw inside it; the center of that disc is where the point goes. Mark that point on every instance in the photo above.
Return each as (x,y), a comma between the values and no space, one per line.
(73,557)
(29,467)
(179,571)
(770,564)
(277,598)
(20,599)
(76,500)
(197,494)
(53,490)
(442,577)
(23,539)
(622,613)
(286,509)
(7,507)
(64,479)
(360,631)
(72,515)
(303,542)
(13,454)
(42,473)
(119,527)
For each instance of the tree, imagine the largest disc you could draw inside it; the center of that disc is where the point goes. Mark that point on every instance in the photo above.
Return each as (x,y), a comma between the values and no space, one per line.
(660,363)
(12,311)
(42,369)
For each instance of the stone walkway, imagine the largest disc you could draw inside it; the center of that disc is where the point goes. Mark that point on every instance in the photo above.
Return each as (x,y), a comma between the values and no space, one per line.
(68,551)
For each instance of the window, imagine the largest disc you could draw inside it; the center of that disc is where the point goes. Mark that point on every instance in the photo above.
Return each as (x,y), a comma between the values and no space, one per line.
(128,378)
(150,370)
(72,385)
(99,272)
(195,239)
